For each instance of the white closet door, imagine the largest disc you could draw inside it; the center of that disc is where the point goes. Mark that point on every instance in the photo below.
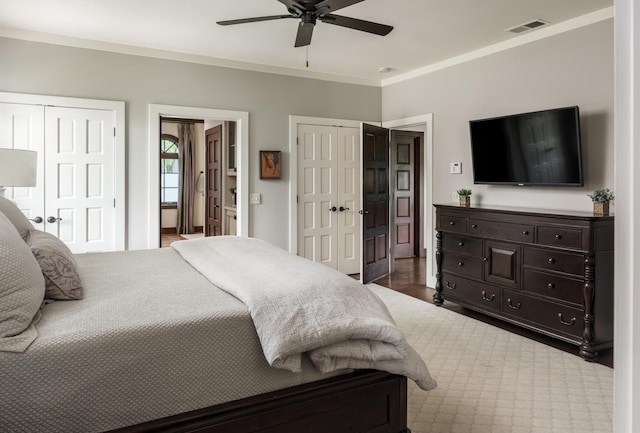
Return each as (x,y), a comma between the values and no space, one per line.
(22,127)
(348,188)
(328,181)
(79,184)
(317,180)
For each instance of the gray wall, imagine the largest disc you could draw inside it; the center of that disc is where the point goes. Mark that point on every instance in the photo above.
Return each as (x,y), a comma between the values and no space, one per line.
(573,68)
(37,68)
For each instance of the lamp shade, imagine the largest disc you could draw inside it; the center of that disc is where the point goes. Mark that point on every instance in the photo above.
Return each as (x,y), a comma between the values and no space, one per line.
(18,167)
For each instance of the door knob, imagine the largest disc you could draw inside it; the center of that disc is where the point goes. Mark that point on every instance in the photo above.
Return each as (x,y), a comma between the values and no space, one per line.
(342,209)
(333,209)
(363,212)
(53,219)
(36,220)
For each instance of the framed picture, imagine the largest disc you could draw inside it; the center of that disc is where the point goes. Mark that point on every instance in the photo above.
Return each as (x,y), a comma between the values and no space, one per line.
(270,164)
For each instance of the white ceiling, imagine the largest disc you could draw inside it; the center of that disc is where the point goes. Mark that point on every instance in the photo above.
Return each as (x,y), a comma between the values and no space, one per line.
(425,31)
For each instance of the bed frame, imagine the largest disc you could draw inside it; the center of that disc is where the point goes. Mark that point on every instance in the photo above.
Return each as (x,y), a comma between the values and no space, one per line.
(362,401)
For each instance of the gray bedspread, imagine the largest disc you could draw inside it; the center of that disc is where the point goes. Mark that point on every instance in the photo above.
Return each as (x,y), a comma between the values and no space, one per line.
(304,308)
(151,338)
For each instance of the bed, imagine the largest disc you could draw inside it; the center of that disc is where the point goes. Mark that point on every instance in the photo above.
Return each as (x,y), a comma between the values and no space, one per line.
(154,345)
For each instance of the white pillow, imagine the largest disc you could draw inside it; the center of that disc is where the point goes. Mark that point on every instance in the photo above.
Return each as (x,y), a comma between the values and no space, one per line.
(21,290)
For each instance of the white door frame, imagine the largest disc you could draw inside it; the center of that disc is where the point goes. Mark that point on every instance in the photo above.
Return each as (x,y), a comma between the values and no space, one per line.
(242,154)
(118,107)
(425,121)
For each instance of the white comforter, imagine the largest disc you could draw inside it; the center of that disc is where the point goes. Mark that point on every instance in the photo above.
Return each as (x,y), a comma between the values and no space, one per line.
(299,306)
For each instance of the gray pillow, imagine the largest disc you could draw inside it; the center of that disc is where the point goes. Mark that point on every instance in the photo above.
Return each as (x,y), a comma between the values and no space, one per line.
(15,215)
(58,266)
(21,290)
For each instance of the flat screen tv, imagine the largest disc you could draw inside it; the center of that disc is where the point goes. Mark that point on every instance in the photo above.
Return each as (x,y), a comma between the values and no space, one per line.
(537,148)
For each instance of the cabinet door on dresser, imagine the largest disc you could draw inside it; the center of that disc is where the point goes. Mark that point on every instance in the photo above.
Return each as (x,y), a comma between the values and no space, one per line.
(502,263)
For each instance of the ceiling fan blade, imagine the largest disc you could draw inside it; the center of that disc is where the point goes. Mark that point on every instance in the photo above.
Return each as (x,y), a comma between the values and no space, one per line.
(253,20)
(334,5)
(356,24)
(305,31)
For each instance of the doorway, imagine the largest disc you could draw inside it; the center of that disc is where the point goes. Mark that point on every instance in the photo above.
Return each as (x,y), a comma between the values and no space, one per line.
(181,178)
(407,223)
(424,124)
(241,170)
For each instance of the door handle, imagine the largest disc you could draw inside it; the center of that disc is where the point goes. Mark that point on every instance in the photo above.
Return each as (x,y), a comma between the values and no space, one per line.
(53,219)
(363,212)
(37,220)
(342,209)
(333,209)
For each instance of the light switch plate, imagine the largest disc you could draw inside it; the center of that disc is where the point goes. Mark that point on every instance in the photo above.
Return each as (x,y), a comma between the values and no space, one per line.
(255,198)
(456,167)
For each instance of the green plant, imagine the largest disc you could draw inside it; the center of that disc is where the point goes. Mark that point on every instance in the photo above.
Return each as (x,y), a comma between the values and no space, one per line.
(602,195)
(463,192)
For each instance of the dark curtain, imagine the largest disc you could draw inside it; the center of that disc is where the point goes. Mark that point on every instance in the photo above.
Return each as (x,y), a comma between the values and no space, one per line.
(186,184)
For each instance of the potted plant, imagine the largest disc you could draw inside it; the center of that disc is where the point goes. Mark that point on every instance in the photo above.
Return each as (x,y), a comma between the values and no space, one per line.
(465,197)
(601,199)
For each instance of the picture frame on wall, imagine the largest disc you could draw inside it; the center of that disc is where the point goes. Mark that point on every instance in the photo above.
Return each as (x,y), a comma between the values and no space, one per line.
(270,164)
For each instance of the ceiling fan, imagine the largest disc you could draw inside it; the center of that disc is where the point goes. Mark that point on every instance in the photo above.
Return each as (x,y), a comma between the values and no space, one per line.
(309,11)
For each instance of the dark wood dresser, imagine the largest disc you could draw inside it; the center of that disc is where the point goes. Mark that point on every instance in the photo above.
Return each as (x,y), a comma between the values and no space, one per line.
(547,271)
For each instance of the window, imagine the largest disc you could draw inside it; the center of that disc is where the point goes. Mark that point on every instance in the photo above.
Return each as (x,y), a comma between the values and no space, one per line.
(169,170)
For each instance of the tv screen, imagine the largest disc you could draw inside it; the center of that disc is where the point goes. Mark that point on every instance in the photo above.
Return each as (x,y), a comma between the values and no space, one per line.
(538,148)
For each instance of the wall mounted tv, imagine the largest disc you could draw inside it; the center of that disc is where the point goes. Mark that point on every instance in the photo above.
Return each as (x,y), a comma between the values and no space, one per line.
(537,148)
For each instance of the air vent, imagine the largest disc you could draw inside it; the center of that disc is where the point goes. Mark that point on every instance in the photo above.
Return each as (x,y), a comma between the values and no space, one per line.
(527,26)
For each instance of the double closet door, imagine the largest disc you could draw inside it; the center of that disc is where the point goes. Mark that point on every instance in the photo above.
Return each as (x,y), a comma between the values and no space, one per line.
(329,229)
(75,197)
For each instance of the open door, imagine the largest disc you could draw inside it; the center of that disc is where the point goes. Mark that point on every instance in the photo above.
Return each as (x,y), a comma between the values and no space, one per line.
(375,202)
(213,201)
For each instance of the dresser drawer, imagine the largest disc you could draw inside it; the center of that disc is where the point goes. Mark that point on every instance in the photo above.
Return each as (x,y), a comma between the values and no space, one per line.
(542,313)
(462,245)
(450,223)
(464,291)
(554,286)
(560,237)
(462,265)
(554,260)
(502,230)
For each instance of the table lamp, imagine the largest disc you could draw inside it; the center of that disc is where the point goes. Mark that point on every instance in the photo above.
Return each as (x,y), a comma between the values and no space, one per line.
(17,168)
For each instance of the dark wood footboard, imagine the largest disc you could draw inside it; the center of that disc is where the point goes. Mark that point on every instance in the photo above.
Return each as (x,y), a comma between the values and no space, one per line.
(362,401)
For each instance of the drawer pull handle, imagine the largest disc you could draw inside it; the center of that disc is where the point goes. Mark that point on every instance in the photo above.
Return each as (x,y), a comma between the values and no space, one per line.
(515,307)
(564,322)
(551,286)
(551,260)
(461,244)
(460,264)
(558,237)
(484,296)
(526,232)
(474,226)
(452,223)
(451,286)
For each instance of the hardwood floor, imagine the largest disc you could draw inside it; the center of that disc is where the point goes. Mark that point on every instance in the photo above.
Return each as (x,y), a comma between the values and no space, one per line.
(409,278)
(167,238)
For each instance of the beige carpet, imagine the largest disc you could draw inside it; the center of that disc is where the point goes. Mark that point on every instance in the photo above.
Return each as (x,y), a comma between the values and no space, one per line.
(493,381)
